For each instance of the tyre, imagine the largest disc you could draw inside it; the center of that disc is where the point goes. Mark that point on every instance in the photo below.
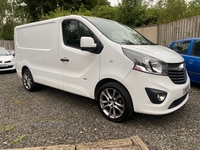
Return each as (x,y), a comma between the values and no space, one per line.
(115,102)
(28,81)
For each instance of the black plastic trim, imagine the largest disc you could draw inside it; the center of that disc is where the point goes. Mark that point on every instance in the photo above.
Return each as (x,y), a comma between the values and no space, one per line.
(177,102)
(152,94)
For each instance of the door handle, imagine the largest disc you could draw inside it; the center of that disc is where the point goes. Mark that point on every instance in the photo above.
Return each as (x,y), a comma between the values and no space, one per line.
(64,59)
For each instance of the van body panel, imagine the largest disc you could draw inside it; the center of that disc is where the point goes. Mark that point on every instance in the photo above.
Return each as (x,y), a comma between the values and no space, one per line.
(34,50)
(81,71)
(113,63)
(28,36)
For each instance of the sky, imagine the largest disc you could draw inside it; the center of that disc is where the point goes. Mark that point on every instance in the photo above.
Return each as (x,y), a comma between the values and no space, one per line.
(114,2)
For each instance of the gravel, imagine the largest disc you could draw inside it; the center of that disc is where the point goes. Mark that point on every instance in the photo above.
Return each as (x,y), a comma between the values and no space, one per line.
(49,117)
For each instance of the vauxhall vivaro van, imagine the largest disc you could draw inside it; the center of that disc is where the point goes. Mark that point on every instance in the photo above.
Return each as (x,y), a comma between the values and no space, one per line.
(102,60)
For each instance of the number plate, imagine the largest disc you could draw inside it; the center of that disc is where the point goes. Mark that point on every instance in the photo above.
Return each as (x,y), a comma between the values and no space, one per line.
(186,90)
(3,65)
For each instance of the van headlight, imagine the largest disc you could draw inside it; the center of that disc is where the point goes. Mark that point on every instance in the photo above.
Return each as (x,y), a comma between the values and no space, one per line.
(146,63)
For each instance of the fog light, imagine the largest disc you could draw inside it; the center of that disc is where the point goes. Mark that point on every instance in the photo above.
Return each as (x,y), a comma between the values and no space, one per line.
(161,97)
(156,96)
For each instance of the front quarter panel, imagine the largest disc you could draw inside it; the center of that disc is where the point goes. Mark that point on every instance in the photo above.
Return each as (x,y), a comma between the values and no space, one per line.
(113,63)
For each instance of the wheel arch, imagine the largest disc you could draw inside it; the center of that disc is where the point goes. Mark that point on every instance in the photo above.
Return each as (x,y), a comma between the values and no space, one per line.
(23,68)
(27,79)
(103,81)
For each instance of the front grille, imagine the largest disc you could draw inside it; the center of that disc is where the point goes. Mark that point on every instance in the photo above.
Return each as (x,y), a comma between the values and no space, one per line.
(177,73)
(7,62)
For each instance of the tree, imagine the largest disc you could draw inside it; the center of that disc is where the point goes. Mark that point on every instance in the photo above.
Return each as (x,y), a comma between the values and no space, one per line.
(37,9)
(3,11)
(151,16)
(131,12)
(193,8)
(60,12)
(106,11)
(8,30)
(171,10)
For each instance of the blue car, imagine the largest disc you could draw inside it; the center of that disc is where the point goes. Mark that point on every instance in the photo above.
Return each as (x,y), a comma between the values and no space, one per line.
(190,51)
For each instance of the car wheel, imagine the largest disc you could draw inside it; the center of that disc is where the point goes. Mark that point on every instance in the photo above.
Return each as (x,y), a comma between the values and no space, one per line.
(115,102)
(28,81)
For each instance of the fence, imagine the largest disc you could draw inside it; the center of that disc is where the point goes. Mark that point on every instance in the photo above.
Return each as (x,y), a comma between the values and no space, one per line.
(9,45)
(184,28)
(164,34)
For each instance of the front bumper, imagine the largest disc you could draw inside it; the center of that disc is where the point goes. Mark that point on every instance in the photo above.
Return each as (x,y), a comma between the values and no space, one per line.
(7,66)
(136,82)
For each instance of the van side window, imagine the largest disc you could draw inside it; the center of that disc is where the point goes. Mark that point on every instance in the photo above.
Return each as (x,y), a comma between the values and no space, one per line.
(73,31)
(181,47)
(196,48)
(70,33)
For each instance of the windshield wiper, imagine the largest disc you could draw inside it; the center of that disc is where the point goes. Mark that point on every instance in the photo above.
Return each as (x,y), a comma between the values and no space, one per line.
(127,42)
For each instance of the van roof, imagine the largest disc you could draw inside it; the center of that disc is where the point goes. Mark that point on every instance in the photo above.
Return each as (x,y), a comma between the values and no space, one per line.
(49,20)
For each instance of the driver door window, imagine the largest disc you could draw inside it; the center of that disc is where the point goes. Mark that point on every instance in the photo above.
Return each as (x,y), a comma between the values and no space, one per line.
(73,30)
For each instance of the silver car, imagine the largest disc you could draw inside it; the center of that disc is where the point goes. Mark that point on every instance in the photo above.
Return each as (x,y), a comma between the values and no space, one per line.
(7,60)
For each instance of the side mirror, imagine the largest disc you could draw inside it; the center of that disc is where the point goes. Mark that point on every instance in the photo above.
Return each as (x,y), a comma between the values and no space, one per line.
(88,44)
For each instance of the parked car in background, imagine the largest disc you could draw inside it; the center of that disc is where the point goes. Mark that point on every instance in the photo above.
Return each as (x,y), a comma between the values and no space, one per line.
(7,60)
(190,51)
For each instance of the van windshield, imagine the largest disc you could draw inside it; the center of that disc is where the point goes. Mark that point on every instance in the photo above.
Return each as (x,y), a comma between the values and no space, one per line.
(118,33)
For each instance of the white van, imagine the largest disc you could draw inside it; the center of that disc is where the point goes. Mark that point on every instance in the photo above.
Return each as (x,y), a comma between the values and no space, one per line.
(103,60)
